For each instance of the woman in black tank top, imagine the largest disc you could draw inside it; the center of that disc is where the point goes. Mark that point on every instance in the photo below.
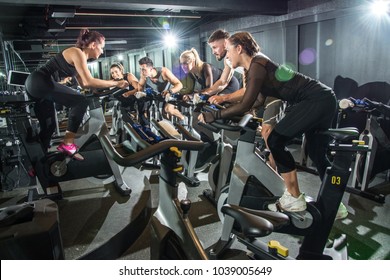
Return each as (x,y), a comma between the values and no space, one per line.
(313,110)
(202,72)
(41,86)
(128,99)
(205,75)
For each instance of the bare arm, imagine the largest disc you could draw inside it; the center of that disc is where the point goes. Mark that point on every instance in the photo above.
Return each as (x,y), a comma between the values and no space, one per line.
(252,94)
(222,82)
(65,80)
(133,81)
(229,98)
(141,83)
(175,82)
(76,57)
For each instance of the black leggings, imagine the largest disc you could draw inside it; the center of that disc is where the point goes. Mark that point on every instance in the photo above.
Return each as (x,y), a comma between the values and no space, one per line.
(309,117)
(45,113)
(40,85)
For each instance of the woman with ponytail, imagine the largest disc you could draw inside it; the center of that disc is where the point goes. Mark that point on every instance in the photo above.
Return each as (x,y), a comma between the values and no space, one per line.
(204,73)
(314,105)
(72,62)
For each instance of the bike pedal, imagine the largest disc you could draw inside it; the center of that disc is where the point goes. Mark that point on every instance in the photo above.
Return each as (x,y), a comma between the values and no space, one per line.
(300,215)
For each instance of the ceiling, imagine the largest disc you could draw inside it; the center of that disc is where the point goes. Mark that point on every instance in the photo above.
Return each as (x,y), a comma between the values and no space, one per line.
(33,32)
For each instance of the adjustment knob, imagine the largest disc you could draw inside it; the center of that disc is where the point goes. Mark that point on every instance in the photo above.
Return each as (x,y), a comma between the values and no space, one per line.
(185,206)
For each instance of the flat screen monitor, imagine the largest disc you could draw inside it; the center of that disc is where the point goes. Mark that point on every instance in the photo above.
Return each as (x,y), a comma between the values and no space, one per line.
(17,78)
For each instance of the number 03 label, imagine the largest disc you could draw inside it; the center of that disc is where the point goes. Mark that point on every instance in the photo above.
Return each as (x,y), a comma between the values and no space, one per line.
(336,180)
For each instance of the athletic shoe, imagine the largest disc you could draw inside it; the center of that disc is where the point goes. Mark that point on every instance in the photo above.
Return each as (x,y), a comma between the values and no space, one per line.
(70,150)
(342,212)
(140,94)
(289,203)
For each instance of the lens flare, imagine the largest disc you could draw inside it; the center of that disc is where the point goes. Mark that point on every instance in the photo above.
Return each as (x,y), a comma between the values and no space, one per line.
(328,42)
(166,25)
(380,7)
(170,40)
(307,56)
(285,72)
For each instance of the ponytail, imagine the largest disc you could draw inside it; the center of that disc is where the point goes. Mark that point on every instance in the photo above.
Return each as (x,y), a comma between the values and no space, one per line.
(87,37)
(198,61)
(192,55)
(246,40)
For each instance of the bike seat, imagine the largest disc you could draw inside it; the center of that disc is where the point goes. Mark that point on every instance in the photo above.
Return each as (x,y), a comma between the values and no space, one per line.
(16,214)
(342,134)
(255,223)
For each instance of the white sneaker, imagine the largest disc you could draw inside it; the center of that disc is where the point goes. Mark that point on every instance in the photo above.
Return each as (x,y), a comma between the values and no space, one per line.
(342,212)
(289,203)
(140,94)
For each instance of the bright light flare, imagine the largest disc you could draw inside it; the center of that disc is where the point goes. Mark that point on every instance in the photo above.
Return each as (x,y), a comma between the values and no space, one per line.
(380,7)
(170,40)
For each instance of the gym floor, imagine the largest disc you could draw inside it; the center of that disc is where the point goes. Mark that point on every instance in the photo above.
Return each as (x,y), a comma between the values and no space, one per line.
(92,212)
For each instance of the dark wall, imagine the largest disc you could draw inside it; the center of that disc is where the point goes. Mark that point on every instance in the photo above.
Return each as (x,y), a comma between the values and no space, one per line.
(341,36)
(346,41)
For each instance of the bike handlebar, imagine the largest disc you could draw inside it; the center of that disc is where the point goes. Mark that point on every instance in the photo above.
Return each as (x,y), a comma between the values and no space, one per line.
(106,92)
(352,103)
(364,104)
(240,122)
(149,151)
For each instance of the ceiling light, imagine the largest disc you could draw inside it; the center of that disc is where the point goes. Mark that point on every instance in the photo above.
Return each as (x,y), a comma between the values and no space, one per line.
(63,13)
(113,27)
(170,40)
(135,15)
(58,44)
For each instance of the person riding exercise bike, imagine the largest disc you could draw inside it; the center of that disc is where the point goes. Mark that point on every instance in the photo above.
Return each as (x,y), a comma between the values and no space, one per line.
(72,61)
(315,106)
